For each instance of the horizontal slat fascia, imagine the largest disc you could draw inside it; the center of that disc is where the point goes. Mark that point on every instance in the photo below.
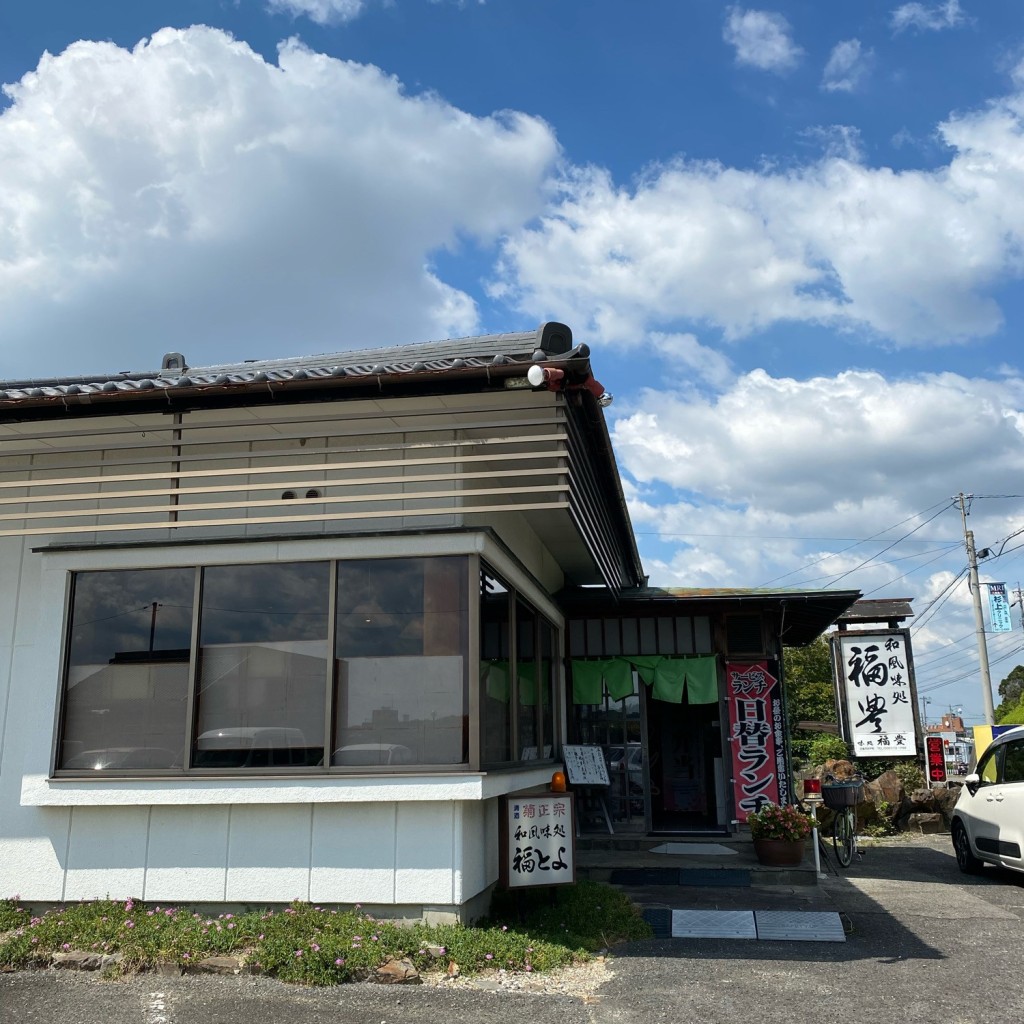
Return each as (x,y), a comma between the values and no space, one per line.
(306,467)
(178,435)
(319,518)
(353,499)
(322,480)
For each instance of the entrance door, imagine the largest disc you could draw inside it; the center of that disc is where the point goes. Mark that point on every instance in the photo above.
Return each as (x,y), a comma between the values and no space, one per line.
(684,767)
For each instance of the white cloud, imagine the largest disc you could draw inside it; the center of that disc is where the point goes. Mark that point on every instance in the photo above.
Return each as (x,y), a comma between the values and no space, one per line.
(323,12)
(761,39)
(774,472)
(926,18)
(847,67)
(685,351)
(909,255)
(334,12)
(188,193)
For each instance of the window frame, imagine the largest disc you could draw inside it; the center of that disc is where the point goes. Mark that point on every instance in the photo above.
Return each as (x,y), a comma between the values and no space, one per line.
(517,596)
(470,710)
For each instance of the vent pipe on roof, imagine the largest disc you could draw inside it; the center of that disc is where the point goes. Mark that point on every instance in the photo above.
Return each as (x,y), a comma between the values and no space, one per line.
(173,361)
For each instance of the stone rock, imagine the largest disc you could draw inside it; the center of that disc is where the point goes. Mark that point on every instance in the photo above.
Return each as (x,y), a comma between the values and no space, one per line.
(945,800)
(839,769)
(922,801)
(888,787)
(82,960)
(167,970)
(397,972)
(216,965)
(927,823)
(436,951)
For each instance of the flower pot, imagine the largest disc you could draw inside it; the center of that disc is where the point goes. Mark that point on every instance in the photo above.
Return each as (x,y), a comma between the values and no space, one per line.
(780,853)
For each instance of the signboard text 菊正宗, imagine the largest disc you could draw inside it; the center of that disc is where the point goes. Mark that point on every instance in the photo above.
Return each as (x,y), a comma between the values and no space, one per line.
(538,839)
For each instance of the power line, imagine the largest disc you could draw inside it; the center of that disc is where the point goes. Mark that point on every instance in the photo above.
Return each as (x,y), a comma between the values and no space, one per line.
(892,545)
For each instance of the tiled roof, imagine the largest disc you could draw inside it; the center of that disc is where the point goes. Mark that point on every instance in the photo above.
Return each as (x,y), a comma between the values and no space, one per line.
(443,358)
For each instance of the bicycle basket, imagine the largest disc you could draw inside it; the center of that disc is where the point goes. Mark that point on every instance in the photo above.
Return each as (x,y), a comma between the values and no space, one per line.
(839,795)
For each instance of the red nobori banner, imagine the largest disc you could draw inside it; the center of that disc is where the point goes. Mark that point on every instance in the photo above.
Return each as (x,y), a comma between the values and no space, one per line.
(756,736)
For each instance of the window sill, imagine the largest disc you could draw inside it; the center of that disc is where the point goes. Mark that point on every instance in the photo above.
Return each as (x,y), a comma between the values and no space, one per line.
(40,791)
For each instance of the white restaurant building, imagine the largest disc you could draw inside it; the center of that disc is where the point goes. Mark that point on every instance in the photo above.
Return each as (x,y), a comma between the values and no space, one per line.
(289,629)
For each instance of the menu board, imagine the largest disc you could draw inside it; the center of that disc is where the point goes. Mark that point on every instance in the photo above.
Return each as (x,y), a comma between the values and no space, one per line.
(585,766)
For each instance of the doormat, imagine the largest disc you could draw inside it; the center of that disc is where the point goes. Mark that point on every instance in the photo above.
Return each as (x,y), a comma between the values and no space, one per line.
(695,849)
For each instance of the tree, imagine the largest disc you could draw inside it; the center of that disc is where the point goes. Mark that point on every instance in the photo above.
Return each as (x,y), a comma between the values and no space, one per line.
(810,695)
(808,676)
(1011,692)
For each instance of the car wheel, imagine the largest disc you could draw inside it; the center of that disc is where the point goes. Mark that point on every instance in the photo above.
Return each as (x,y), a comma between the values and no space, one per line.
(965,859)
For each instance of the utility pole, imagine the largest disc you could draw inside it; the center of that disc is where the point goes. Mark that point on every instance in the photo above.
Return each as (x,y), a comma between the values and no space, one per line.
(979,616)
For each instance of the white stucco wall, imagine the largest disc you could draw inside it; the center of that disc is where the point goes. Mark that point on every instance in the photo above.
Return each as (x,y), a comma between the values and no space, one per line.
(407,842)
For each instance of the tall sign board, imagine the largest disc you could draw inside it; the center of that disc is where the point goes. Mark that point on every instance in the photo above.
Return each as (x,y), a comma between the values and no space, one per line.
(877,692)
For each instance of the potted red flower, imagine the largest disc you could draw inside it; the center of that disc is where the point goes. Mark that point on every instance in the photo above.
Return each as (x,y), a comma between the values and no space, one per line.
(780,834)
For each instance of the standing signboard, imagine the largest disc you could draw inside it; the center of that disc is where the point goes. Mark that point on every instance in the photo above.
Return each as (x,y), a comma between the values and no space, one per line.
(756,737)
(936,757)
(585,765)
(537,836)
(877,692)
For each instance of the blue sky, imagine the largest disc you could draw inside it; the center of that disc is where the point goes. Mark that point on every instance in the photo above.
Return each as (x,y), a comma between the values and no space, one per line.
(792,233)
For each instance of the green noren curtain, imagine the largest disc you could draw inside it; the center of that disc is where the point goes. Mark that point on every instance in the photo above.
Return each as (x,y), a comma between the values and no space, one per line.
(668,678)
(618,677)
(702,679)
(586,681)
(617,674)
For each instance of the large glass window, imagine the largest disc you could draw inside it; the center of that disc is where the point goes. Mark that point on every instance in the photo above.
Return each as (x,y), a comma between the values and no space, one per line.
(400,651)
(517,721)
(495,668)
(301,666)
(127,670)
(546,685)
(262,666)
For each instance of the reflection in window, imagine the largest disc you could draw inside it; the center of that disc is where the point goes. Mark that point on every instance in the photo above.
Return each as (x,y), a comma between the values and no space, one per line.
(268,691)
(262,666)
(988,770)
(495,683)
(1013,762)
(546,683)
(127,674)
(401,679)
(526,679)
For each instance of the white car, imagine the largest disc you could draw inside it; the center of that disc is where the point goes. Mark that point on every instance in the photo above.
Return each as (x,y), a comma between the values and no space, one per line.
(988,819)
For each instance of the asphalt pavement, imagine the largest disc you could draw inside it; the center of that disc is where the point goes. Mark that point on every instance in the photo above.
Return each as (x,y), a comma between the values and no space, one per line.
(924,944)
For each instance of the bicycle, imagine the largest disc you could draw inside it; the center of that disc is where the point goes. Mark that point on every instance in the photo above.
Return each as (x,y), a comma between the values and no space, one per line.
(842,796)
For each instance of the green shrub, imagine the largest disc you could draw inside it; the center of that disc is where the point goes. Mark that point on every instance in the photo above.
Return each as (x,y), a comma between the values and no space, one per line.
(315,945)
(827,747)
(911,775)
